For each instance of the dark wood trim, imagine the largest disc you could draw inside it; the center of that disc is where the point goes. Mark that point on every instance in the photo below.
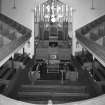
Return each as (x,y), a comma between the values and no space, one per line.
(86,28)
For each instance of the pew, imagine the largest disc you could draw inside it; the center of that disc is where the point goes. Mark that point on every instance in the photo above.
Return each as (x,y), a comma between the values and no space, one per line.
(3,72)
(11,75)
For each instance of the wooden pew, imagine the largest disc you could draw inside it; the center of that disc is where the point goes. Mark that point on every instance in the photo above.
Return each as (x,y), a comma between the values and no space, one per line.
(7,74)
(3,72)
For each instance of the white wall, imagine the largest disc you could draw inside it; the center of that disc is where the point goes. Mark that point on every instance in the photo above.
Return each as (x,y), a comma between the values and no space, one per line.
(22,14)
(82,13)
(0,5)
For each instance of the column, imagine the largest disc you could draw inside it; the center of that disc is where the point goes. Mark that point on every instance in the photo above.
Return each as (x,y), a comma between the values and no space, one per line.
(93,66)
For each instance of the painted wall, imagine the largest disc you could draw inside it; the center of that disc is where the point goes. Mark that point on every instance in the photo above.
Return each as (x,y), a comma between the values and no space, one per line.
(82,14)
(22,14)
(0,5)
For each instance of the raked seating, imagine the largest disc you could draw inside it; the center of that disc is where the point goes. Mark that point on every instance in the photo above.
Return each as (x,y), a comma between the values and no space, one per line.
(16,33)
(56,92)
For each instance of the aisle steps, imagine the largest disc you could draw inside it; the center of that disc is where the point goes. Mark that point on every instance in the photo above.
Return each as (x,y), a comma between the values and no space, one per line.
(57,92)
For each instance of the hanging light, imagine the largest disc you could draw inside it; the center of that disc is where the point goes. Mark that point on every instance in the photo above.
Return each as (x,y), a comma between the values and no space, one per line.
(92,5)
(14,4)
(53,9)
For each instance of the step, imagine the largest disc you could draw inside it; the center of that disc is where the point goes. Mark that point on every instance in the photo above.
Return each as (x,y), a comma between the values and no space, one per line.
(52,94)
(53,86)
(44,83)
(56,90)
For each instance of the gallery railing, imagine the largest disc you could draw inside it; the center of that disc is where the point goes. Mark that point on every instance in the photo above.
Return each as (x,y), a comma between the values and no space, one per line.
(88,36)
(17,35)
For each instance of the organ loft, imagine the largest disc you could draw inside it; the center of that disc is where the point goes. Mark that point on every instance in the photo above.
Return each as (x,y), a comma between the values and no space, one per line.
(67,66)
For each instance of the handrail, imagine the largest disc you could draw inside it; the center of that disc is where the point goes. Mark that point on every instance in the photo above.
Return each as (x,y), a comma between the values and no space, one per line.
(97,50)
(20,28)
(8,50)
(86,28)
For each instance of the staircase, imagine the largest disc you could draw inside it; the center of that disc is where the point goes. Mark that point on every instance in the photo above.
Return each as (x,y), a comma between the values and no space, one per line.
(46,90)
